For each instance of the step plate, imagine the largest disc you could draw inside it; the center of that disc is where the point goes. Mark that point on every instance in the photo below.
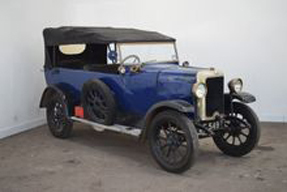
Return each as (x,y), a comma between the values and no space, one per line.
(117,128)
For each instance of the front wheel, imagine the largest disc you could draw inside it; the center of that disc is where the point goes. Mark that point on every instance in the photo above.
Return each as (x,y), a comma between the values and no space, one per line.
(173,141)
(241,131)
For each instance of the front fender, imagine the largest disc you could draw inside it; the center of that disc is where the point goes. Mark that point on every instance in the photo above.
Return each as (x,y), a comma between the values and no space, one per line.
(244,97)
(178,105)
(241,96)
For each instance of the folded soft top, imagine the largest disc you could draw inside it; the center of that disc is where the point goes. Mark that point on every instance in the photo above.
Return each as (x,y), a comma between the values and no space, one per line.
(100,35)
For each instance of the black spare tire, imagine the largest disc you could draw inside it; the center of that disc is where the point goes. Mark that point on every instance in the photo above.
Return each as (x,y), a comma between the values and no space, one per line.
(98,102)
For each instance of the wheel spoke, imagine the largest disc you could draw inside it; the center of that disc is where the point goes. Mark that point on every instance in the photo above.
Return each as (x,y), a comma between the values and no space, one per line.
(162,138)
(91,94)
(242,122)
(179,152)
(244,126)
(96,93)
(173,156)
(245,135)
(102,105)
(233,140)
(184,146)
(239,139)
(161,141)
(90,99)
(164,146)
(181,139)
(168,151)
(165,131)
(98,113)
(229,135)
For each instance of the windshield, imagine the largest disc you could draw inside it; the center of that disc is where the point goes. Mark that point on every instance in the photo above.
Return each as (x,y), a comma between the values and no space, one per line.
(154,52)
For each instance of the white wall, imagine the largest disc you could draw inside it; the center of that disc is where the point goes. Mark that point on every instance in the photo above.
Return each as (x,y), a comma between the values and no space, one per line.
(244,38)
(21,50)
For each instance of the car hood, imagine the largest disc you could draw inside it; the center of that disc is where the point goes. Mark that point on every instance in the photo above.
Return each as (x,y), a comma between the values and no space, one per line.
(173,71)
(172,68)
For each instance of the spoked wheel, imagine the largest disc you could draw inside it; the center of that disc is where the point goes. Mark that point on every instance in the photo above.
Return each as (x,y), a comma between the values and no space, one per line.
(241,132)
(59,123)
(173,141)
(98,102)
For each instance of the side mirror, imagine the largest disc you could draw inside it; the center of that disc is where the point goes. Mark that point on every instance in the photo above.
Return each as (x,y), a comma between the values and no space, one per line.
(112,55)
(185,64)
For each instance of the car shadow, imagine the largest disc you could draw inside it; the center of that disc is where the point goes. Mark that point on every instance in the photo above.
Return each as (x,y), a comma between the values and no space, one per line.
(114,143)
(131,150)
(128,147)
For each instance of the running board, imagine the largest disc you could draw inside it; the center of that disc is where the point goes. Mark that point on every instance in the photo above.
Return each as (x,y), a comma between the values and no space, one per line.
(117,128)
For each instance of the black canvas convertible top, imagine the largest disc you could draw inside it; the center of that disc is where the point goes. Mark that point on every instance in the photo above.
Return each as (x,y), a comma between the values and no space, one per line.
(100,35)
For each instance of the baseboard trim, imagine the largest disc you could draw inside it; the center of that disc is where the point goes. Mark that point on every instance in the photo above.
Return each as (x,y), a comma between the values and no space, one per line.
(8,131)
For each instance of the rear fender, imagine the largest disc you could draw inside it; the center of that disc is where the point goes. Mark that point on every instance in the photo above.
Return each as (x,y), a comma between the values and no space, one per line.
(52,90)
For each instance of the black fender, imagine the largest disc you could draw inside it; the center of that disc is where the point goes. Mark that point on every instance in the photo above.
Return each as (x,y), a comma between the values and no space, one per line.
(48,94)
(244,97)
(177,105)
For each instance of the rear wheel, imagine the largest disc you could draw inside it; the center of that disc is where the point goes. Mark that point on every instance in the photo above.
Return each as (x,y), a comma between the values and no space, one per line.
(173,141)
(241,133)
(58,122)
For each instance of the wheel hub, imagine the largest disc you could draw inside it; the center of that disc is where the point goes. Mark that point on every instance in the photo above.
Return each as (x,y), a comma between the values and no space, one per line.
(172,140)
(235,130)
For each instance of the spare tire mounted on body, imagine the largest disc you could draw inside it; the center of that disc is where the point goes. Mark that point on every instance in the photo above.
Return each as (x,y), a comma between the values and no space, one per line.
(98,102)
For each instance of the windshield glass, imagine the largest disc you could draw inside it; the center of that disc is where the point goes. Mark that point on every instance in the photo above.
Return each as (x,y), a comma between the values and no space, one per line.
(149,52)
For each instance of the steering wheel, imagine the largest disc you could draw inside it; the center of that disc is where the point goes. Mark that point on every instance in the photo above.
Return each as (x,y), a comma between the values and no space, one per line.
(133,68)
(136,59)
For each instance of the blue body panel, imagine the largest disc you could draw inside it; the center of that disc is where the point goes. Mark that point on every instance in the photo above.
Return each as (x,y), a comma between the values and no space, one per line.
(135,93)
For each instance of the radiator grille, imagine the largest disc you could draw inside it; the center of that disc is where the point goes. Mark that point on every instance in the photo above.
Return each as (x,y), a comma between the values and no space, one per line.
(215,96)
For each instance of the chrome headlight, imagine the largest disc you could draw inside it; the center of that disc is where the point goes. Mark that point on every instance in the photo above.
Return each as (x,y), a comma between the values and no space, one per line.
(200,90)
(235,85)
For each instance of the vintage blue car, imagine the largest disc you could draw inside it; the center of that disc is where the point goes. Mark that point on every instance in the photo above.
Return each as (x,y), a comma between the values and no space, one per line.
(131,81)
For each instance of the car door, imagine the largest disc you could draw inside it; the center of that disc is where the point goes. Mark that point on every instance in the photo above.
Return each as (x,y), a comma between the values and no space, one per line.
(140,90)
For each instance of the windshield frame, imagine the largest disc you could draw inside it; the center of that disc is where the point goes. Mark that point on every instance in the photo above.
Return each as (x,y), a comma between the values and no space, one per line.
(118,49)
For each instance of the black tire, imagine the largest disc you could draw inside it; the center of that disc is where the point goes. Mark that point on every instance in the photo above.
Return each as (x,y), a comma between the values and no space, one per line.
(57,117)
(171,131)
(98,102)
(242,132)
